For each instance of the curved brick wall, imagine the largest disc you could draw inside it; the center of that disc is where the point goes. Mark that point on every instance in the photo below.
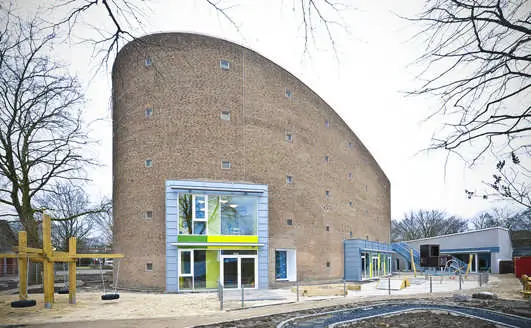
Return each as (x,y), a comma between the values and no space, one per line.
(186,139)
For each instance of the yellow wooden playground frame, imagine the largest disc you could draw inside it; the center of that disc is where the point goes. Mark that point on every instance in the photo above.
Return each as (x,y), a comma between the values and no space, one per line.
(48,256)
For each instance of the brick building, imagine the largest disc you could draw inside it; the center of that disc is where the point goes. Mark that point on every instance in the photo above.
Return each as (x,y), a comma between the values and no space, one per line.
(226,166)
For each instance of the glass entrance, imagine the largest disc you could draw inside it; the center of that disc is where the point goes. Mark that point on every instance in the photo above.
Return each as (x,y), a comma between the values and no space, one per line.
(239,271)
(230,272)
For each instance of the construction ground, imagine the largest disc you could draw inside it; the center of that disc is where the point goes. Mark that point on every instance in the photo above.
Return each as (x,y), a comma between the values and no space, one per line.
(135,309)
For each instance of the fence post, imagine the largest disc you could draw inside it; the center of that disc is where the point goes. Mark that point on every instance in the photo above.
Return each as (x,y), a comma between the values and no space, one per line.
(297,289)
(431,285)
(243,297)
(344,288)
(221,296)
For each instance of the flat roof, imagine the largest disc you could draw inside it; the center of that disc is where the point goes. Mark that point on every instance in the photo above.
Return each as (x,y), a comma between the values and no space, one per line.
(456,234)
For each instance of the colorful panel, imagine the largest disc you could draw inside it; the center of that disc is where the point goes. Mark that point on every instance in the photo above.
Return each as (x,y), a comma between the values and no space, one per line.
(212,269)
(233,239)
(191,239)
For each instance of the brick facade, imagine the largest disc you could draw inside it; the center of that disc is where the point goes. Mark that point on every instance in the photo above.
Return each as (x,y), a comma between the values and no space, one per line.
(185,138)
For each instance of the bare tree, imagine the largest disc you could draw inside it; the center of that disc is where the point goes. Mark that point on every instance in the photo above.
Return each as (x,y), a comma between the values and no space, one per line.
(103,223)
(122,17)
(41,134)
(478,62)
(72,213)
(426,223)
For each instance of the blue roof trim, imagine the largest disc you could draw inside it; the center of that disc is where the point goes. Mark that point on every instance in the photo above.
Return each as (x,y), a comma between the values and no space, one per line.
(471,250)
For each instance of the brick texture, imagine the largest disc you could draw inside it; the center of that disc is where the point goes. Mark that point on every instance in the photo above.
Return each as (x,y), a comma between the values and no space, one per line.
(186,139)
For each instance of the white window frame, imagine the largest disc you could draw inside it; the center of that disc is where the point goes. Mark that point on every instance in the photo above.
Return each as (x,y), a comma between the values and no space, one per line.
(224,64)
(225,115)
(150,165)
(291,265)
(148,112)
(194,219)
(226,168)
(147,269)
(239,257)
(148,61)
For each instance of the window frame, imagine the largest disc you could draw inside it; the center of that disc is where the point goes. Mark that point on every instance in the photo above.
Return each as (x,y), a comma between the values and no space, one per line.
(229,165)
(224,64)
(148,163)
(195,219)
(224,115)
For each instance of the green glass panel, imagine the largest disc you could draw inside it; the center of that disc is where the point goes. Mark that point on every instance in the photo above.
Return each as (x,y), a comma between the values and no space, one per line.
(212,269)
(191,239)
(214,216)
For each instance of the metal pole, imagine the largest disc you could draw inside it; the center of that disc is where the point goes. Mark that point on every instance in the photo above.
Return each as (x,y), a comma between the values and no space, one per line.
(480,278)
(459,281)
(431,286)
(243,296)
(297,290)
(221,296)
(389,285)
(344,288)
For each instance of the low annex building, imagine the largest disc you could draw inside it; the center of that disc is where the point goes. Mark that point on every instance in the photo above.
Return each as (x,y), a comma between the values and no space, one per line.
(227,167)
(488,246)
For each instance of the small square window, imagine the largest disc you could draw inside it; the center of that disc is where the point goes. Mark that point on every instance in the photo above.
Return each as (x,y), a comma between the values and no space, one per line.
(148,163)
(289,222)
(351,234)
(289,137)
(149,266)
(350,203)
(326,159)
(327,228)
(350,145)
(288,93)
(328,264)
(149,112)
(225,115)
(289,179)
(225,164)
(349,175)
(148,61)
(327,193)
(224,65)
(327,123)
(148,215)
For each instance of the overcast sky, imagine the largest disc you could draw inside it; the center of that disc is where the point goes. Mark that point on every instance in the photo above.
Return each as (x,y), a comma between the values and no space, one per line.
(364,81)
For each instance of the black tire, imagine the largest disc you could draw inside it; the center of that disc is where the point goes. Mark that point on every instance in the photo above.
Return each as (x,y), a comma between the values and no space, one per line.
(23,303)
(110,297)
(63,291)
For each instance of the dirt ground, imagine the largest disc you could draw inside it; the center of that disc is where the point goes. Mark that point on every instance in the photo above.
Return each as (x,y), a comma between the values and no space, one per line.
(189,310)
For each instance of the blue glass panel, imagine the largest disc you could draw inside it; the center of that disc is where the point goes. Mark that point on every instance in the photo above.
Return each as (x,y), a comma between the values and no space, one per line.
(238,215)
(200,202)
(281,265)
(200,228)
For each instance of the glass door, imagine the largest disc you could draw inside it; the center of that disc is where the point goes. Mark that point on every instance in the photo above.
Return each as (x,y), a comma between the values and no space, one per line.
(230,272)
(239,271)
(374,267)
(247,272)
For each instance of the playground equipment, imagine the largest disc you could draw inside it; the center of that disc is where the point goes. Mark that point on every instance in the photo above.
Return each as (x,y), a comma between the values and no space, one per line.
(48,256)
(526,284)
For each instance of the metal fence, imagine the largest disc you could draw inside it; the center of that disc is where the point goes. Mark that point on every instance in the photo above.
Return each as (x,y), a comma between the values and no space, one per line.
(302,291)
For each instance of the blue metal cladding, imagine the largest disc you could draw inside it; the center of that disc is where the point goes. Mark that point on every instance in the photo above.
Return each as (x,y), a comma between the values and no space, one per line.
(353,250)
(173,187)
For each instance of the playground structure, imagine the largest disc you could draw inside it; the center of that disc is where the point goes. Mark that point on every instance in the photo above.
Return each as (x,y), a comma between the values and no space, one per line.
(48,257)
(448,265)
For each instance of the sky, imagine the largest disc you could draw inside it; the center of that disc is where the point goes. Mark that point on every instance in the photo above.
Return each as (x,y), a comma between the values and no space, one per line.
(365,81)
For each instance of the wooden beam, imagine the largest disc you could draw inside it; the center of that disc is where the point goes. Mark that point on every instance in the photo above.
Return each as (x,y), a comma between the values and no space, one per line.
(72,246)
(99,256)
(48,283)
(47,235)
(23,266)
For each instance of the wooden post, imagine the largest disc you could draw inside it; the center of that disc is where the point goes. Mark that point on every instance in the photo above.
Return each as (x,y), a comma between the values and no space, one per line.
(23,265)
(49,278)
(72,245)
